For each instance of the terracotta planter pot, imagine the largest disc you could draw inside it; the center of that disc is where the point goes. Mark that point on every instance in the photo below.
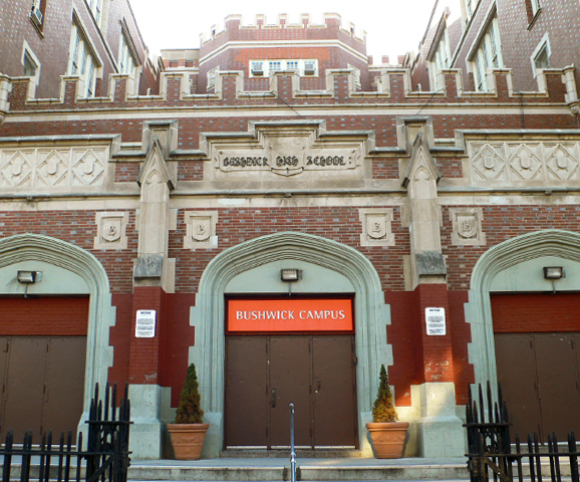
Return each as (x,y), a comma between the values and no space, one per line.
(187,439)
(388,439)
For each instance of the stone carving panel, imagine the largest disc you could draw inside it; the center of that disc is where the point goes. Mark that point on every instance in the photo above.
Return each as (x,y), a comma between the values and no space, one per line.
(17,168)
(200,230)
(111,230)
(520,164)
(48,169)
(376,227)
(467,229)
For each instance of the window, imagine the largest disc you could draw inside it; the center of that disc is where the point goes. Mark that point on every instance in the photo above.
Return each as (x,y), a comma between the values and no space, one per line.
(275,66)
(535,4)
(440,60)
(260,68)
(541,56)
(30,67)
(96,7)
(487,55)
(82,62)
(126,61)
(211,75)
(36,13)
(470,6)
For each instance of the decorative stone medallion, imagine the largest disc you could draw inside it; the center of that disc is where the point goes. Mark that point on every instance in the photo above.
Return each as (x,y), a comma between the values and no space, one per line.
(376,227)
(200,229)
(467,227)
(111,233)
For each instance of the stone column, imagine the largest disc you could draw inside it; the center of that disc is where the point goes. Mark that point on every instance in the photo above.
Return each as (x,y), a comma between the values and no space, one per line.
(150,278)
(440,431)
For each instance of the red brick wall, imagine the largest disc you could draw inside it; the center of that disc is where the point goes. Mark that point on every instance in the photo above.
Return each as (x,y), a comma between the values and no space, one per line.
(176,337)
(44,316)
(236,225)
(535,312)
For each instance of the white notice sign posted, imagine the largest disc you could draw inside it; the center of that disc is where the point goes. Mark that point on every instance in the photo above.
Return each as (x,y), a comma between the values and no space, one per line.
(435,320)
(145,326)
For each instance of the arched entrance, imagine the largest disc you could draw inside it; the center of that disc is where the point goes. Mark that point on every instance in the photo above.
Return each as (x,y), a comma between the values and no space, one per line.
(523,328)
(370,312)
(68,274)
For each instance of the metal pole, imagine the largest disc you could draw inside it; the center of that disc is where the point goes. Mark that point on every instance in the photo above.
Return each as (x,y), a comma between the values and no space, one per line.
(292,449)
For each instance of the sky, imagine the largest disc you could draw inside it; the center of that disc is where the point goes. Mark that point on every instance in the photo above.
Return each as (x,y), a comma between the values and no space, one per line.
(393,27)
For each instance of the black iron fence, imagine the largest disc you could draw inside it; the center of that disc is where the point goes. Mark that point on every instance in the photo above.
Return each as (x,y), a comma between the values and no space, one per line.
(492,453)
(106,457)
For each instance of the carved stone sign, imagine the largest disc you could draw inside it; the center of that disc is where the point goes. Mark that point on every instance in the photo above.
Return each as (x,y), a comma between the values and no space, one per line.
(111,227)
(467,226)
(287,151)
(376,225)
(201,230)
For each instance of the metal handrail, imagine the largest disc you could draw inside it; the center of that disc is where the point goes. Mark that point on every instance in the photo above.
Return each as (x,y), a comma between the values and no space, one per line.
(292,448)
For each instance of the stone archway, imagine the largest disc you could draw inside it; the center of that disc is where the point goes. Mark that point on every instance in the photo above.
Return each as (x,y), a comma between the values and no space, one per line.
(80,264)
(371,313)
(552,242)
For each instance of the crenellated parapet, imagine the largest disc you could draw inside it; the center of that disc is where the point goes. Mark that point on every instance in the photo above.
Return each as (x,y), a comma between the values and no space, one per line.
(283,29)
(391,87)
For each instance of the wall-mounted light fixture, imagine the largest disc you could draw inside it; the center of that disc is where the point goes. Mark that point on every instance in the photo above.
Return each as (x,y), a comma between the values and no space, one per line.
(553,273)
(26,277)
(290,276)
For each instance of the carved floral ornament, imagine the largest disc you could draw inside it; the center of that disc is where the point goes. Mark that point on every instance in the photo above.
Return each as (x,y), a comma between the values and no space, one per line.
(200,230)
(524,162)
(47,168)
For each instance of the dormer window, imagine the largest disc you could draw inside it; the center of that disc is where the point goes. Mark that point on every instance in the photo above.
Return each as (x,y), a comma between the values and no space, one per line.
(82,61)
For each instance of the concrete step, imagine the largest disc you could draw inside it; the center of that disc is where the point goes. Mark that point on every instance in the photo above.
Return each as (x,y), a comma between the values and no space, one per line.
(308,469)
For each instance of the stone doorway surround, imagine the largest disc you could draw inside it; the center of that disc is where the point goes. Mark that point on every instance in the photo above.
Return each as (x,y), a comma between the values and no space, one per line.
(371,314)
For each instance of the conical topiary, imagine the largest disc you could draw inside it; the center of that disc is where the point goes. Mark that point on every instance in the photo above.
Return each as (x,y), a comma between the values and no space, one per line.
(384,409)
(189,409)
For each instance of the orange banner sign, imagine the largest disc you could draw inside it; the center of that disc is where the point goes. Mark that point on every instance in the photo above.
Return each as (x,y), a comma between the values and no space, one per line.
(287,315)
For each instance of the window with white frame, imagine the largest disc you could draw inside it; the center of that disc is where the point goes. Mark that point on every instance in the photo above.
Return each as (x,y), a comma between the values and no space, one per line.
(36,13)
(487,55)
(541,56)
(304,67)
(30,68)
(126,60)
(470,6)
(82,61)
(96,7)
(535,5)
(211,77)
(440,60)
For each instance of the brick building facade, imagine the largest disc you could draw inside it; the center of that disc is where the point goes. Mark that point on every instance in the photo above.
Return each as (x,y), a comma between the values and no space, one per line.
(276,147)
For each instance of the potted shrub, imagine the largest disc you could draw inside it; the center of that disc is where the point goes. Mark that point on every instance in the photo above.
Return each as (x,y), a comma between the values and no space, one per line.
(388,435)
(188,432)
